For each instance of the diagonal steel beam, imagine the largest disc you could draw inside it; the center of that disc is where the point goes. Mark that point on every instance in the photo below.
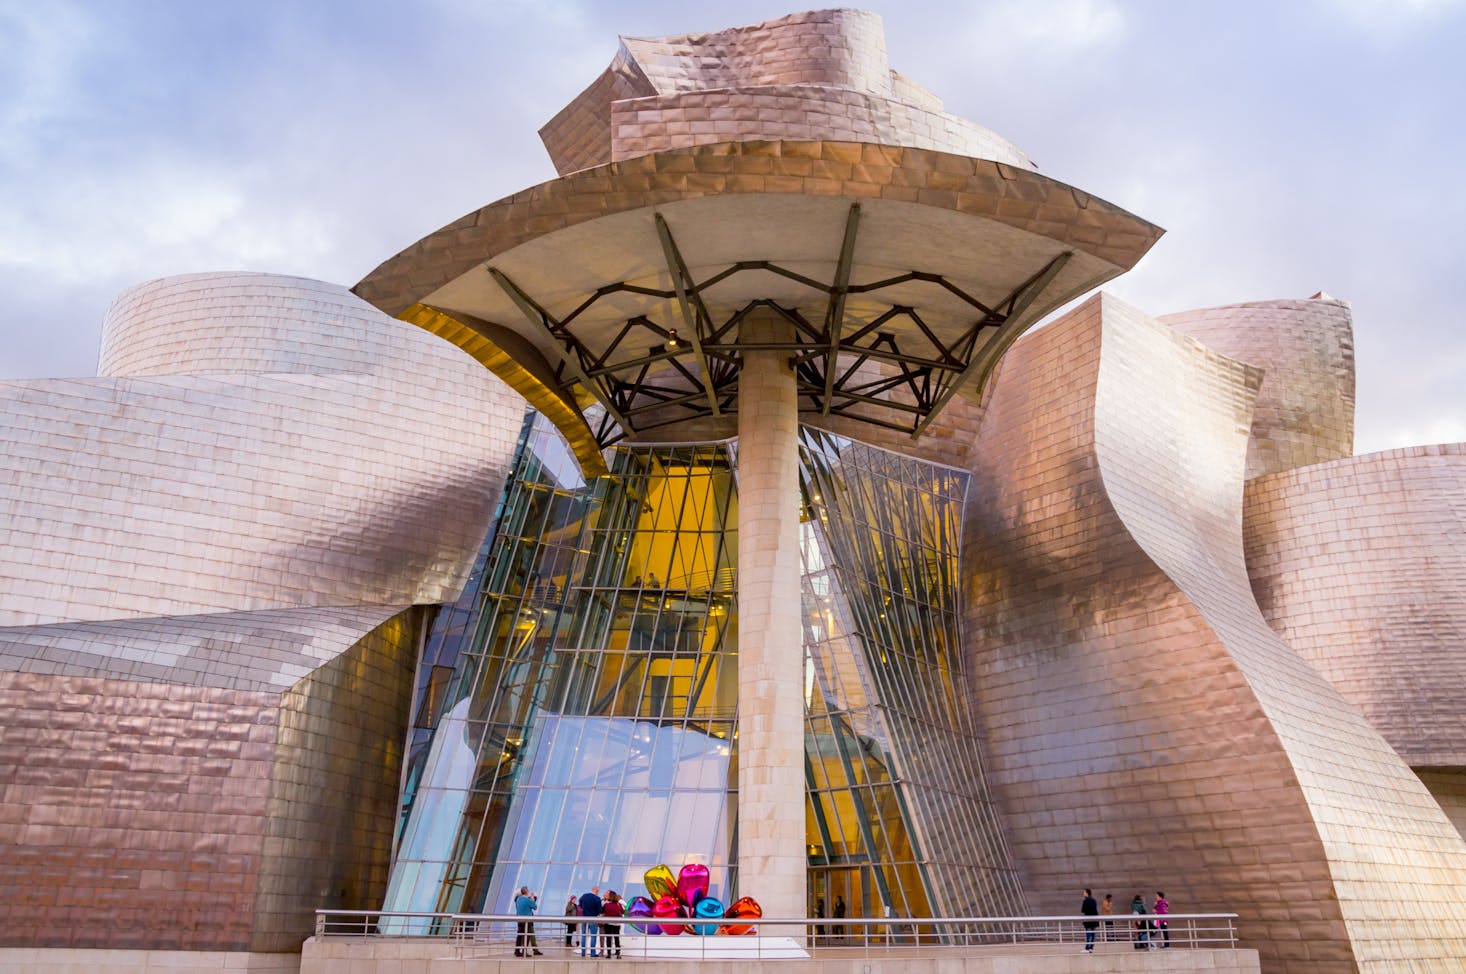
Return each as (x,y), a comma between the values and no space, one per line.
(1018,303)
(835,316)
(680,279)
(539,319)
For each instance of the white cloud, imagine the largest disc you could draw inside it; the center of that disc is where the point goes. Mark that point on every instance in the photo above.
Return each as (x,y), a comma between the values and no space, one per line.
(1387,20)
(143,215)
(1059,28)
(1371,438)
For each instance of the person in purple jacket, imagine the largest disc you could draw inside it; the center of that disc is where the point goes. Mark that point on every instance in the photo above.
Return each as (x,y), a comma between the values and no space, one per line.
(1161,908)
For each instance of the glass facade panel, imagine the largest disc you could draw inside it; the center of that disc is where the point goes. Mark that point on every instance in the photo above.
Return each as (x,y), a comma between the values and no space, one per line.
(594,693)
(577,707)
(902,820)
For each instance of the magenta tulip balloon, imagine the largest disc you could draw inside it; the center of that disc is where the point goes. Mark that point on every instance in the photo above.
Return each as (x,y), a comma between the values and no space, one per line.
(692,884)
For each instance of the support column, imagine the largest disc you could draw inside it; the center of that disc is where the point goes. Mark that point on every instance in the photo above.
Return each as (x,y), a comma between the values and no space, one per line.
(772,863)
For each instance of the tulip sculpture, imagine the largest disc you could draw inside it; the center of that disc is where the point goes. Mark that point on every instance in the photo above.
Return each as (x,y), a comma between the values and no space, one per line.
(686,896)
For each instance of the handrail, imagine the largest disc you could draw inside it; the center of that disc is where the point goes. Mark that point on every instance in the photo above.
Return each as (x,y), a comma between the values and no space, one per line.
(775,937)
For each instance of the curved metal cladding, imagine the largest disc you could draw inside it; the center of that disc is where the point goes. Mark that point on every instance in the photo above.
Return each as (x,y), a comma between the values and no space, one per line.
(313,474)
(206,634)
(1148,730)
(232,322)
(1305,407)
(198,783)
(821,74)
(1381,534)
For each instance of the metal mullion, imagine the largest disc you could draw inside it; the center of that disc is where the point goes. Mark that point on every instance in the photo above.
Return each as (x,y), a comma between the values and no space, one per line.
(835,314)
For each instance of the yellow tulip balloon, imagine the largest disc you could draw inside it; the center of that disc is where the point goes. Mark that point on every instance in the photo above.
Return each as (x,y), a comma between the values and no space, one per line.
(660,882)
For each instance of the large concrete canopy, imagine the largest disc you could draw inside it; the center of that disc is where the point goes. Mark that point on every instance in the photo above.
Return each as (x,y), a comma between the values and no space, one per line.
(905,273)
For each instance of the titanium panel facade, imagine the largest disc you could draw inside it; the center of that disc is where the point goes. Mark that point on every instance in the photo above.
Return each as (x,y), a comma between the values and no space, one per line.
(370,482)
(207,639)
(1146,726)
(1382,535)
(1152,627)
(1305,406)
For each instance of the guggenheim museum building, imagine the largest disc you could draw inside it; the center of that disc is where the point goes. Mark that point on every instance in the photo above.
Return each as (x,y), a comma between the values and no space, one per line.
(714,501)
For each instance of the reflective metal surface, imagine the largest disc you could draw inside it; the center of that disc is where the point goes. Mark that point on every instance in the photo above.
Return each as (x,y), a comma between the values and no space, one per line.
(1142,718)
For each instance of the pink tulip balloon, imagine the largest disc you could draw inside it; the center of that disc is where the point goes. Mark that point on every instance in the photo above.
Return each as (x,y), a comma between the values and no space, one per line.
(692,884)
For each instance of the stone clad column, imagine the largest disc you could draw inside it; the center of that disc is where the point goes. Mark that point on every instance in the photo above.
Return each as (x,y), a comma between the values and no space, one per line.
(771,856)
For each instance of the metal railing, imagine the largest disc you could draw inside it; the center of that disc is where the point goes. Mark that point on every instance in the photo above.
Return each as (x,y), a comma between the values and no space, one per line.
(497,934)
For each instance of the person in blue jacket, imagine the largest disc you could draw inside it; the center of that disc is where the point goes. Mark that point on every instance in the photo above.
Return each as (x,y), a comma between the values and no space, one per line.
(590,907)
(524,906)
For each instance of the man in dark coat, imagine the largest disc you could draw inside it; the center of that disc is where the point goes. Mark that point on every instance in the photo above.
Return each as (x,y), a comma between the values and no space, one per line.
(1089,908)
(590,907)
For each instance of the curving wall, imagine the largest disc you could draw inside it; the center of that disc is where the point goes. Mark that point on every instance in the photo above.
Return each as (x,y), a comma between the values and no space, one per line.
(340,458)
(640,126)
(1359,565)
(207,622)
(196,814)
(1147,729)
(1305,407)
(815,76)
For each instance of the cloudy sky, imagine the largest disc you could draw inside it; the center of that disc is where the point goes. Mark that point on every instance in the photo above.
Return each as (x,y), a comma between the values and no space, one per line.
(1286,146)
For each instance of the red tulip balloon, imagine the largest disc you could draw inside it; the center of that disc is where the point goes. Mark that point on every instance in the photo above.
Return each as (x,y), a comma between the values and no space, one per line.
(666,908)
(744,908)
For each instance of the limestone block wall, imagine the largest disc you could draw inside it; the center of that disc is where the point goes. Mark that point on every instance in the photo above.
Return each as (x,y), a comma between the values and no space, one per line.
(1360,566)
(370,481)
(155,814)
(1147,729)
(1305,408)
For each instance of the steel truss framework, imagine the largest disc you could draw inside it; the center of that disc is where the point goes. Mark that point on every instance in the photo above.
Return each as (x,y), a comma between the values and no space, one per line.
(830,360)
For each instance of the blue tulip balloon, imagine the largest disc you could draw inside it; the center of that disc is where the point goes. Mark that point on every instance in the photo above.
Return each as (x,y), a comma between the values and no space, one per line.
(708,908)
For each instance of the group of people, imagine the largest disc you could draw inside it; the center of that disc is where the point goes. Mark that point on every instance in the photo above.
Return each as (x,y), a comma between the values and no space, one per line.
(597,939)
(1140,937)
(836,929)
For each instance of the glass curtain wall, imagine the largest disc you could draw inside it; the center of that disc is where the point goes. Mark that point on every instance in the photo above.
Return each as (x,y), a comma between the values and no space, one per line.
(900,821)
(585,732)
(576,709)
